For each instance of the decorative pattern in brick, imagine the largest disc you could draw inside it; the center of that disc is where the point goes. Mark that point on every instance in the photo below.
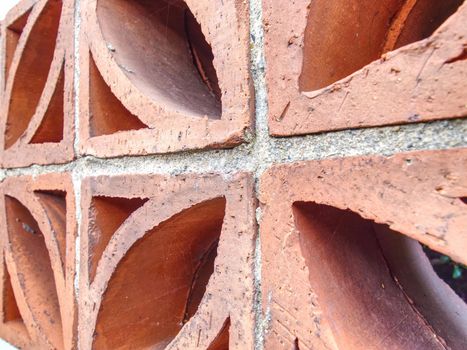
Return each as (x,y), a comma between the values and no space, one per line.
(164,253)
(37,232)
(339,270)
(36,111)
(350,64)
(177,78)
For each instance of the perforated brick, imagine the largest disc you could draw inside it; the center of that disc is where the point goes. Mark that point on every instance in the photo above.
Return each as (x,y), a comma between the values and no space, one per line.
(38,231)
(36,120)
(167,262)
(176,78)
(349,64)
(339,269)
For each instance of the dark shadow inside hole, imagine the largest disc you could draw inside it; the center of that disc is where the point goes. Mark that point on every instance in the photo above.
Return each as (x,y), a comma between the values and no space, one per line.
(33,263)
(221,342)
(164,53)
(32,72)
(343,36)
(376,287)
(160,282)
(454,274)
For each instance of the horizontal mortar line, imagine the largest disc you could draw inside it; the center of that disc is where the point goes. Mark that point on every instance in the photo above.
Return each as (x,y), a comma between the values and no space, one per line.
(265,151)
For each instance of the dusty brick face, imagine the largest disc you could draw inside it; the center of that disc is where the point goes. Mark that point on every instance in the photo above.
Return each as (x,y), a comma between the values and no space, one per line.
(351,64)
(36,120)
(161,253)
(338,268)
(177,79)
(38,230)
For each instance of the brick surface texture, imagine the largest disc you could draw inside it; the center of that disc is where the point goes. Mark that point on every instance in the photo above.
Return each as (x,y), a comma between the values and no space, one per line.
(230,174)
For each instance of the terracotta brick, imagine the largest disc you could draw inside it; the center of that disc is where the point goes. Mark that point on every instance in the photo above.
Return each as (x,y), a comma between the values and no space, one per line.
(36,120)
(177,78)
(167,262)
(349,64)
(37,232)
(339,268)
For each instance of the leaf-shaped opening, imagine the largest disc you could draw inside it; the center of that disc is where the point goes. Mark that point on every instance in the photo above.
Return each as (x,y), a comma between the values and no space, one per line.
(367,287)
(34,269)
(160,282)
(12,34)
(10,307)
(164,53)
(11,314)
(54,204)
(33,70)
(221,342)
(107,114)
(51,127)
(343,36)
(107,214)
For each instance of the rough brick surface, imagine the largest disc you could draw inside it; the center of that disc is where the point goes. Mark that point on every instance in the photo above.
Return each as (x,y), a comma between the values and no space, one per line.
(162,251)
(176,79)
(332,67)
(167,262)
(38,230)
(36,120)
(338,268)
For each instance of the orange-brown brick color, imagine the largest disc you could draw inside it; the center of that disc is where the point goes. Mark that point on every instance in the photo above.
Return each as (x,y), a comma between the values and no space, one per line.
(36,110)
(37,232)
(176,78)
(161,253)
(136,137)
(337,64)
(338,268)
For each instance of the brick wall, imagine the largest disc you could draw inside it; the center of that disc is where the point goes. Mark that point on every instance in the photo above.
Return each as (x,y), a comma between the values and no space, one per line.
(232,174)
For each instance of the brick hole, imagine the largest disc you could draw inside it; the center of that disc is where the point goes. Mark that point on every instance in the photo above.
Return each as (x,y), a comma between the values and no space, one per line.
(158,285)
(108,115)
(10,307)
(444,268)
(221,342)
(33,69)
(11,313)
(107,214)
(51,127)
(54,204)
(12,35)
(463,200)
(165,54)
(34,270)
(363,275)
(343,36)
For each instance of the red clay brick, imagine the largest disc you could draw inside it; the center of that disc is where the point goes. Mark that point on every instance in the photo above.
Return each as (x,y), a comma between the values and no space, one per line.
(38,231)
(338,268)
(36,120)
(153,87)
(330,64)
(167,260)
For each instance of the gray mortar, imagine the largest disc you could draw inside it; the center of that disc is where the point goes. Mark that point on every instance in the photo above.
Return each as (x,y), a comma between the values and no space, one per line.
(258,155)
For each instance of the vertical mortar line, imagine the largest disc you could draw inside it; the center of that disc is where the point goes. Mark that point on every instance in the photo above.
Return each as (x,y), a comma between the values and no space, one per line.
(260,151)
(76,72)
(76,179)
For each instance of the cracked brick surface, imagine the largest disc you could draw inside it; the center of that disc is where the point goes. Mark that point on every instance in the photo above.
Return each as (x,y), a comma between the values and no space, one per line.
(167,262)
(36,120)
(339,270)
(177,79)
(350,64)
(38,230)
